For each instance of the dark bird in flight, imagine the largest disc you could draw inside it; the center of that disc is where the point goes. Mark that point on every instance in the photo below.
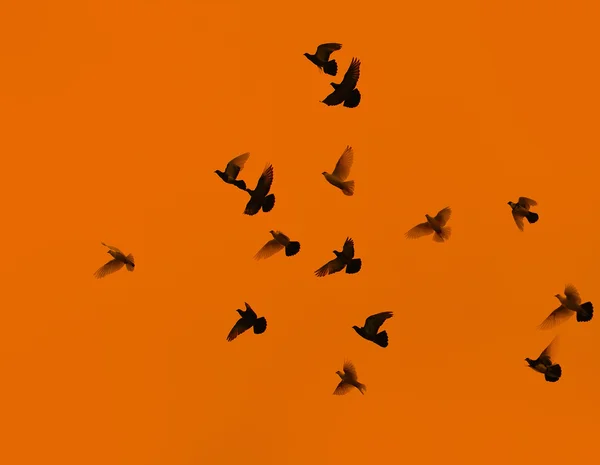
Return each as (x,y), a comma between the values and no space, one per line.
(570,305)
(321,58)
(543,364)
(248,320)
(372,325)
(344,259)
(232,170)
(258,197)
(346,90)
(520,210)
(119,260)
(279,241)
(435,225)
(341,172)
(349,380)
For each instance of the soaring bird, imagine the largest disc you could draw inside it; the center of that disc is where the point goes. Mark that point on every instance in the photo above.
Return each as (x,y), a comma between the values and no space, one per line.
(344,259)
(570,304)
(349,380)
(520,210)
(341,172)
(258,197)
(435,225)
(248,320)
(321,58)
(279,241)
(372,325)
(119,260)
(543,364)
(232,170)
(346,90)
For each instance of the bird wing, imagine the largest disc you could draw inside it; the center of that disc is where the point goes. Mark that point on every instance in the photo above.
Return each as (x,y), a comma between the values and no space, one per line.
(443,216)
(526,203)
(342,388)
(350,370)
(269,249)
(572,294)
(348,249)
(108,268)
(264,182)
(342,168)
(242,325)
(114,249)
(558,316)
(518,217)
(236,165)
(348,84)
(330,267)
(549,351)
(420,230)
(374,322)
(324,51)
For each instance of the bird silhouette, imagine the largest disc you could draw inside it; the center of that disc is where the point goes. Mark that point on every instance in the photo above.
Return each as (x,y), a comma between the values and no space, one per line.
(349,380)
(570,305)
(119,260)
(279,241)
(232,170)
(346,90)
(372,325)
(260,197)
(436,226)
(520,210)
(321,58)
(543,364)
(344,259)
(248,320)
(341,172)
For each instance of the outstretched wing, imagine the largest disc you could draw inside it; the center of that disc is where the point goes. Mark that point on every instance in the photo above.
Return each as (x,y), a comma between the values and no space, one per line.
(420,230)
(114,249)
(374,322)
(324,51)
(242,325)
(526,203)
(558,316)
(236,165)
(264,182)
(342,388)
(269,249)
(350,370)
(443,216)
(348,249)
(342,168)
(518,216)
(330,267)
(548,353)
(572,294)
(108,268)
(343,89)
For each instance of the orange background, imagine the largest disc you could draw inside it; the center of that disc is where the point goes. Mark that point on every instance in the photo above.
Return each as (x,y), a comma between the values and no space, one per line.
(115,115)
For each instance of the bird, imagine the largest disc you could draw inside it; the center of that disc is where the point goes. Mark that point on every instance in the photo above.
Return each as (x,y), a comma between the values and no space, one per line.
(372,325)
(248,320)
(279,241)
(346,90)
(543,364)
(349,380)
(321,58)
(344,259)
(570,304)
(520,210)
(258,197)
(436,225)
(119,260)
(232,170)
(341,172)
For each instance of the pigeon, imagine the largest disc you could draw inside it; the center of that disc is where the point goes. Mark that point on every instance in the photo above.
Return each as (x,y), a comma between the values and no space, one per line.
(570,304)
(344,259)
(279,241)
(321,58)
(372,324)
(349,380)
(346,90)
(258,197)
(232,170)
(543,364)
(520,210)
(435,225)
(341,172)
(248,320)
(119,260)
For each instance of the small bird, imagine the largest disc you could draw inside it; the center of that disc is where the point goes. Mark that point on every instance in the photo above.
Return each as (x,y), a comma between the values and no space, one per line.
(372,325)
(119,260)
(232,170)
(321,58)
(570,304)
(349,380)
(279,241)
(341,172)
(344,259)
(258,197)
(346,90)
(520,210)
(248,320)
(543,364)
(435,225)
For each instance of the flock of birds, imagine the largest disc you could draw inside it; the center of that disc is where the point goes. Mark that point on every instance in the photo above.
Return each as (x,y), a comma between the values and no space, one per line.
(261,199)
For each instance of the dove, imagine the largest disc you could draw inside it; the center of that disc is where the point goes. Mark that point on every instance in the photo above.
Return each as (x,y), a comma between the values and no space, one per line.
(372,325)
(279,241)
(543,364)
(349,380)
(520,210)
(346,90)
(232,170)
(258,197)
(344,259)
(321,58)
(119,260)
(570,304)
(341,172)
(436,225)
(248,320)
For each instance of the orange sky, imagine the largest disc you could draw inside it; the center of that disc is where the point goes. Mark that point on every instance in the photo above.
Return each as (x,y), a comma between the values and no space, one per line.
(115,115)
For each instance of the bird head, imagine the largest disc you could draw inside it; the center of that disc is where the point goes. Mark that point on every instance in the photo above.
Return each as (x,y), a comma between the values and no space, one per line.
(241,312)
(324,173)
(307,55)
(340,374)
(428,217)
(528,360)
(510,203)
(558,296)
(336,253)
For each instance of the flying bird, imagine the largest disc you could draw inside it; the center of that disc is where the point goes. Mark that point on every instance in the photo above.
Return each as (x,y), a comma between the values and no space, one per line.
(279,241)
(436,225)
(570,304)
(119,260)
(344,259)
(349,380)
(232,170)
(346,90)
(258,197)
(543,364)
(372,325)
(341,172)
(321,58)
(520,210)
(248,320)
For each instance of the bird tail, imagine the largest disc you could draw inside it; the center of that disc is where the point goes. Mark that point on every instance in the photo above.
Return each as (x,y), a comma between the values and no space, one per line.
(361,387)
(292,248)
(348,188)
(353,99)
(444,235)
(268,203)
(130,265)
(260,325)
(354,266)
(240,184)
(532,217)
(553,373)
(587,314)
(330,68)
(381,339)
